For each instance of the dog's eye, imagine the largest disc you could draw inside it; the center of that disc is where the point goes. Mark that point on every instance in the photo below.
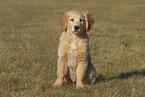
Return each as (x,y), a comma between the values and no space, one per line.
(81,19)
(72,19)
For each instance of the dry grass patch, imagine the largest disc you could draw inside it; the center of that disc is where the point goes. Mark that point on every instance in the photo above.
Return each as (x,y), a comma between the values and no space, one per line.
(29,36)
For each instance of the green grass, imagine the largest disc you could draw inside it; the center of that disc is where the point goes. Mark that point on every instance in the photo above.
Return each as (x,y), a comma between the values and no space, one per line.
(29,37)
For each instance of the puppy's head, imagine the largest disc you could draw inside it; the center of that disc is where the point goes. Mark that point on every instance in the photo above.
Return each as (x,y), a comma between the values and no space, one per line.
(76,22)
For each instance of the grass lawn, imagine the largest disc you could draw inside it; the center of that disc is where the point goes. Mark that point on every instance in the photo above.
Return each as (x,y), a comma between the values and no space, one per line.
(29,37)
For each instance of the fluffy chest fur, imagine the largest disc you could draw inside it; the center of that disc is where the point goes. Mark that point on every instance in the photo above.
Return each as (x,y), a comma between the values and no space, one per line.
(73,48)
(73,54)
(72,60)
(75,45)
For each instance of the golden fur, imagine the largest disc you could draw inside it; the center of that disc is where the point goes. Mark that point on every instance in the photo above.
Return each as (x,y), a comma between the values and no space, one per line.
(74,62)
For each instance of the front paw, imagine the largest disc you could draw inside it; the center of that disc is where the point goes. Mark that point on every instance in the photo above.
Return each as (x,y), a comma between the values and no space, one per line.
(80,85)
(57,83)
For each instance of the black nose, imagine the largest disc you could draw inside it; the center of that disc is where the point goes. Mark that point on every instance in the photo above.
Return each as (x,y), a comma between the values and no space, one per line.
(76,27)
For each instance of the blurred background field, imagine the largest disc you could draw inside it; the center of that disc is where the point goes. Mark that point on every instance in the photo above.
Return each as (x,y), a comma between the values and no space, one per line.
(29,37)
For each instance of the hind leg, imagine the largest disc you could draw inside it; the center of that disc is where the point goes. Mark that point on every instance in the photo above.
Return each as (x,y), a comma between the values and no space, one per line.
(91,74)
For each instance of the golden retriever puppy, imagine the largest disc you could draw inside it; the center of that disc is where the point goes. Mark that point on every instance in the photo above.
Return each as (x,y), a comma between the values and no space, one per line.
(74,62)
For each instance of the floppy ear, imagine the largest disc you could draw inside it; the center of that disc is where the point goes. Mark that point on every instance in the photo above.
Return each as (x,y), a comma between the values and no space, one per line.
(63,21)
(89,20)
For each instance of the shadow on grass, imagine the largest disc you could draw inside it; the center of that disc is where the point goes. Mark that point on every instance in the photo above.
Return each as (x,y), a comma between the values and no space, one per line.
(127,75)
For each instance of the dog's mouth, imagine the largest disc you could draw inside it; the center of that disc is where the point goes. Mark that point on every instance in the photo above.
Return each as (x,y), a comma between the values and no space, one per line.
(76,32)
